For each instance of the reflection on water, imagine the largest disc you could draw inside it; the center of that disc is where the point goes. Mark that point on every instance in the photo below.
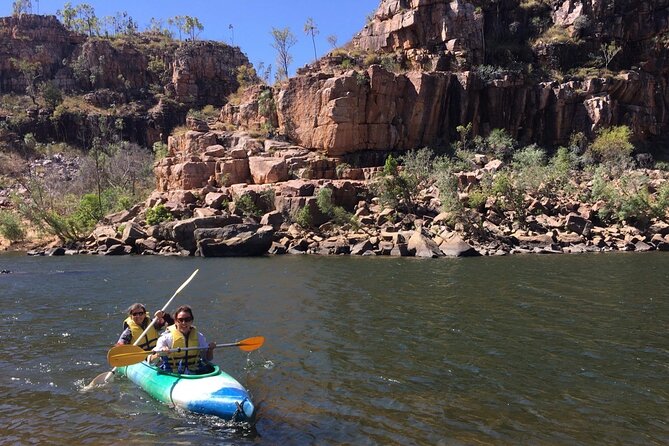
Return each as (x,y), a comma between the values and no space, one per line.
(515,350)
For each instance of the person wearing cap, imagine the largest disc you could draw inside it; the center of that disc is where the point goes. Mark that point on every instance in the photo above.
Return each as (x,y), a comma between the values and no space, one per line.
(135,324)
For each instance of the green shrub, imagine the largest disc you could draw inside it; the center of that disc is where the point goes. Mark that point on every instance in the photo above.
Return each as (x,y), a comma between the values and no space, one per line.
(246,75)
(341,169)
(159,150)
(346,64)
(506,187)
(266,200)
(627,198)
(157,215)
(661,203)
(89,211)
(11,227)
(51,94)
(303,217)
(447,183)
(389,64)
(612,144)
(361,79)
(337,214)
(500,143)
(529,156)
(477,198)
(246,206)
(662,165)
(390,166)
(489,73)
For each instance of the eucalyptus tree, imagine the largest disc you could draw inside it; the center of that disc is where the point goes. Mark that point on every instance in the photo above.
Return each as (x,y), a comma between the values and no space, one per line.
(67,15)
(311,29)
(284,40)
(332,40)
(20,7)
(193,27)
(190,26)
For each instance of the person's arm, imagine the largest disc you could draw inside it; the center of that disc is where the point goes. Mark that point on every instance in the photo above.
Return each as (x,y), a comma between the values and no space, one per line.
(164,343)
(209,353)
(125,337)
(160,319)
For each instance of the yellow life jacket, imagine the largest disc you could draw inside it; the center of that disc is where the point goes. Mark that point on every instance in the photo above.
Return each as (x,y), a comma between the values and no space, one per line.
(190,358)
(148,342)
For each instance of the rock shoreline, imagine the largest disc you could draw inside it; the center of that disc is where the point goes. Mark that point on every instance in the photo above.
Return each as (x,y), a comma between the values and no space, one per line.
(208,176)
(212,232)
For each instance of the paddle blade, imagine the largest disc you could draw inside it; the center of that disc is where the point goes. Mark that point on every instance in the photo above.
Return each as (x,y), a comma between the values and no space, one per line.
(100,380)
(250,344)
(122,355)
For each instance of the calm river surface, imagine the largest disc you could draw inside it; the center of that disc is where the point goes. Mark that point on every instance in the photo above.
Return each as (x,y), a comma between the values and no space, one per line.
(534,350)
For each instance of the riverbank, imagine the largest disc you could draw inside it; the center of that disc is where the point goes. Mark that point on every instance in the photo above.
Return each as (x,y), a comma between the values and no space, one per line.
(211,223)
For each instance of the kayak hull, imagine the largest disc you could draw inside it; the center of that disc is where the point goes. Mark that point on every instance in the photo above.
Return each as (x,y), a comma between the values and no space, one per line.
(215,393)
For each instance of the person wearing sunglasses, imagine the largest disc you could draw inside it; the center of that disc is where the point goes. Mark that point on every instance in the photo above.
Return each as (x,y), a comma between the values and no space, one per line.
(135,324)
(181,335)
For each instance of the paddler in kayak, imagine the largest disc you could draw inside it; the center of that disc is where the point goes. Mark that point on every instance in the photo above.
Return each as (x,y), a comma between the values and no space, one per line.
(181,335)
(135,324)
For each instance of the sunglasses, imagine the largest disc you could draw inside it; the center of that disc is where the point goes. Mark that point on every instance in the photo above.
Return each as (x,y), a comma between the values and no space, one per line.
(185,319)
(138,313)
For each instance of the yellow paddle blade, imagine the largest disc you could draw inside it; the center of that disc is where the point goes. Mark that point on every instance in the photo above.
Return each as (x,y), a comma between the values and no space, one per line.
(122,355)
(250,344)
(100,380)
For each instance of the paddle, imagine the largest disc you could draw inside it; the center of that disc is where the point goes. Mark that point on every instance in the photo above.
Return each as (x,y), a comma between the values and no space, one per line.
(105,377)
(122,355)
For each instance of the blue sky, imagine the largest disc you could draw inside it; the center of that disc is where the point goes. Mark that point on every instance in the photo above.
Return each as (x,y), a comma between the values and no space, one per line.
(252,20)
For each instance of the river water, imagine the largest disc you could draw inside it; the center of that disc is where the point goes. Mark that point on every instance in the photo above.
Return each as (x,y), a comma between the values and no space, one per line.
(536,350)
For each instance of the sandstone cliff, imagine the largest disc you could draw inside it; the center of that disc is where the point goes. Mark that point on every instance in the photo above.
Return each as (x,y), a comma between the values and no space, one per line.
(124,77)
(543,70)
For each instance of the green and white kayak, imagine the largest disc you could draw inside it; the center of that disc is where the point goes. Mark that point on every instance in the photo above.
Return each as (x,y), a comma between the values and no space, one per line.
(215,393)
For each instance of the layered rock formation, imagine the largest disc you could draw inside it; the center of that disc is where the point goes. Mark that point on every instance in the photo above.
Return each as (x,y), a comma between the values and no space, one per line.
(432,34)
(122,77)
(450,67)
(376,109)
(38,39)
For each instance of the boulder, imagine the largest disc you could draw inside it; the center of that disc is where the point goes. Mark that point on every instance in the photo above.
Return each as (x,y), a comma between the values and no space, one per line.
(238,240)
(455,246)
(576,223)
(423,246)
(273,218)
(182,232)
(267,170)
(131,233)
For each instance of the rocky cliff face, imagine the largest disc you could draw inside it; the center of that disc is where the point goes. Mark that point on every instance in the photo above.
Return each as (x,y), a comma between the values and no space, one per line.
(433,34)
(40,39)
(121,77)
(380,110)
(537,69)
(204,72)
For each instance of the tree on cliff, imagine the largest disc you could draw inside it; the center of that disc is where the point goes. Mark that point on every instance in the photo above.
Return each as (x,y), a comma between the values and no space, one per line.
(31,71)
(284,40)
(332,40)
(86,20)
(20,7)
(80,18)
(67,15)
(310,28)
(121,23)
(187,25)
(193,27)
